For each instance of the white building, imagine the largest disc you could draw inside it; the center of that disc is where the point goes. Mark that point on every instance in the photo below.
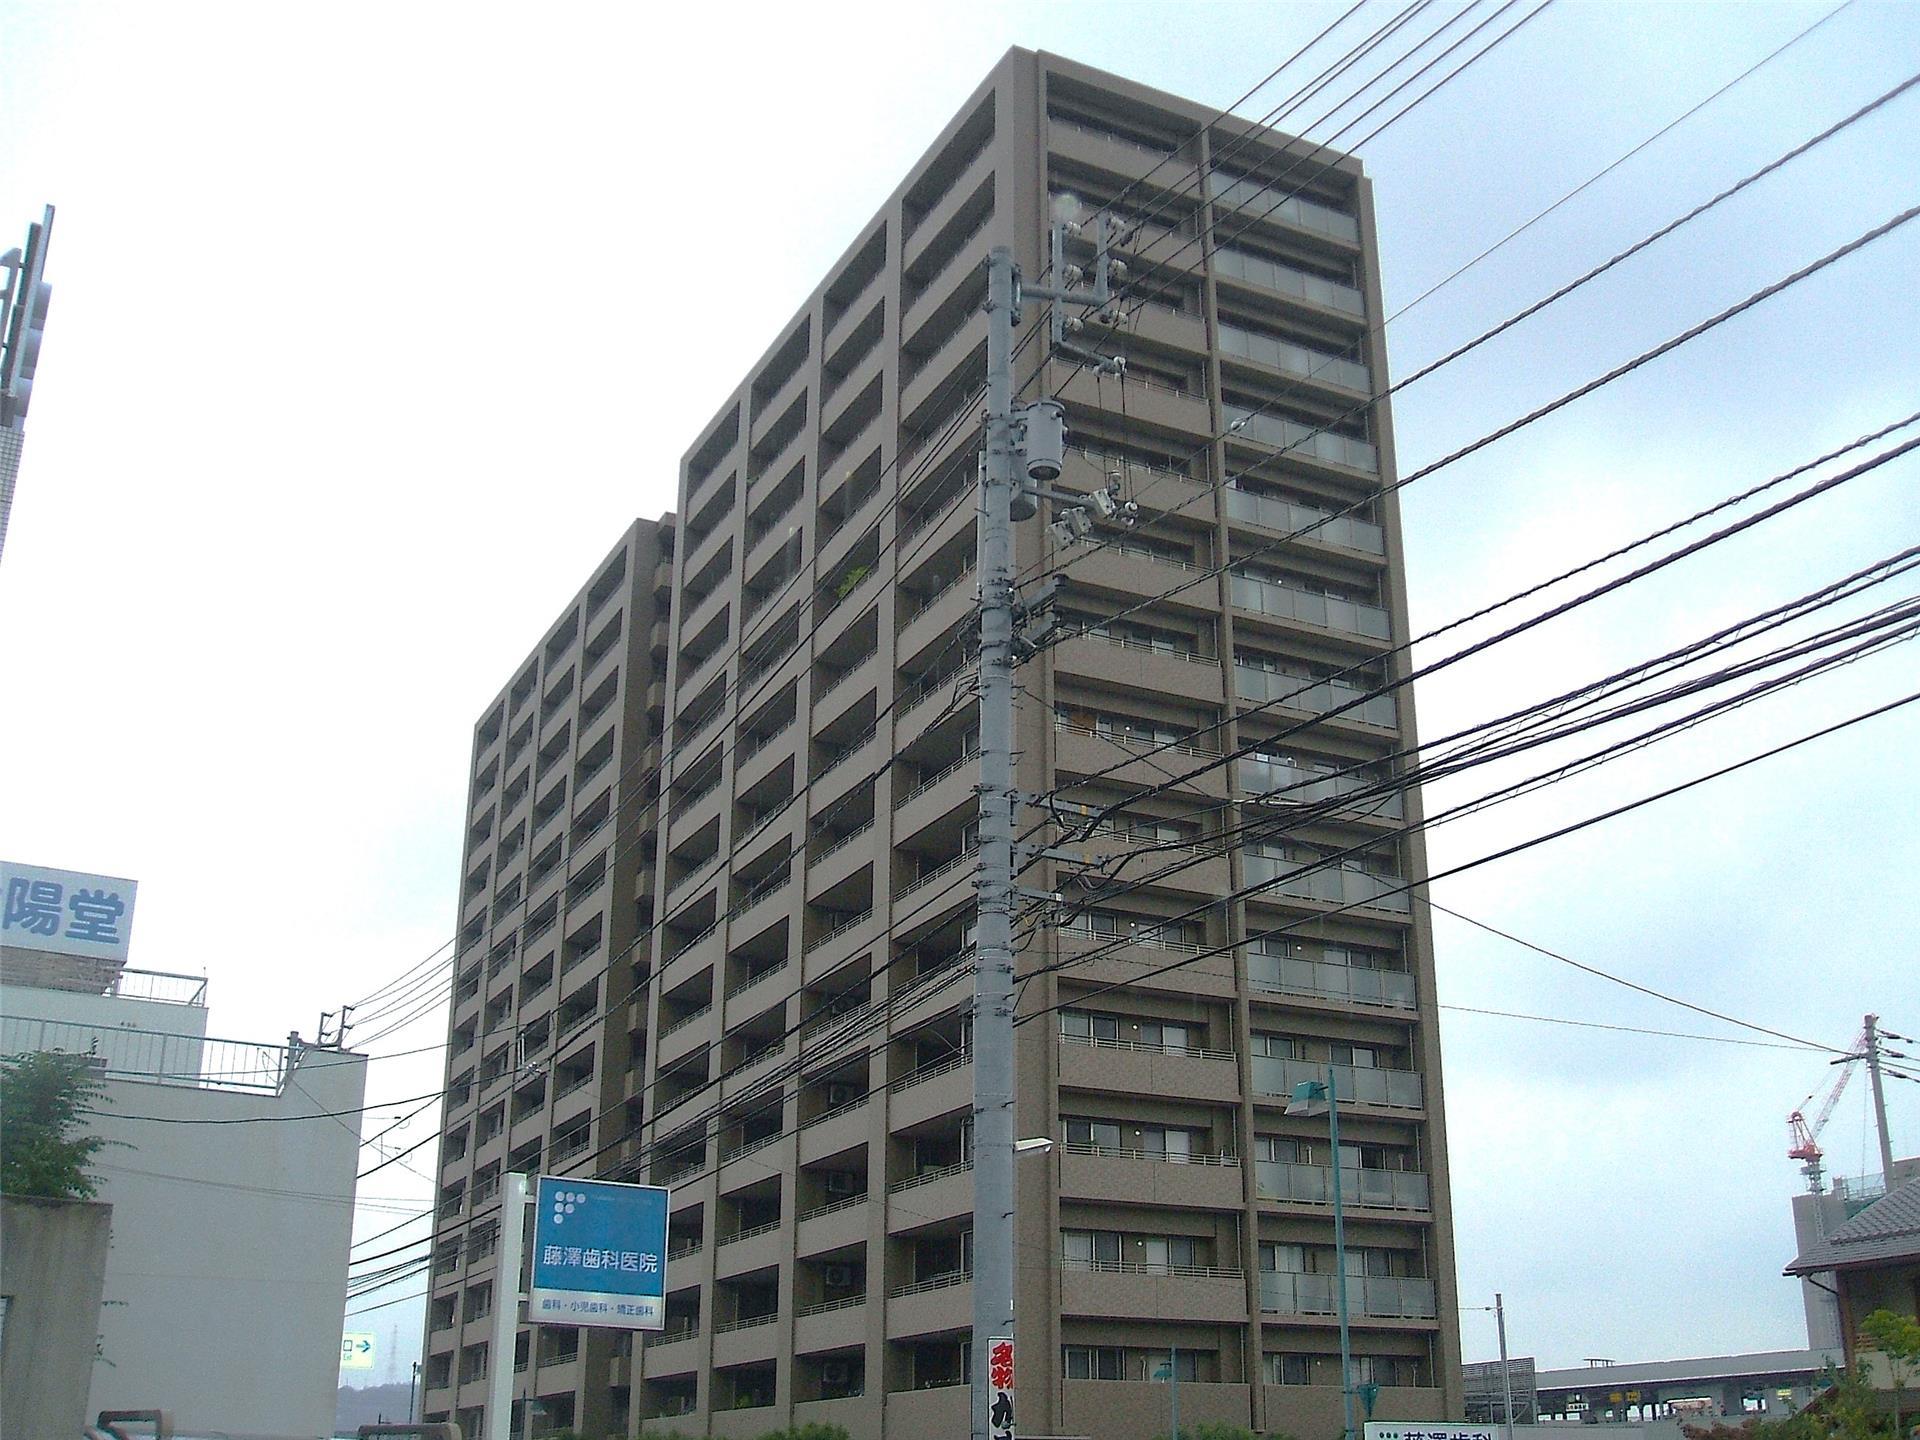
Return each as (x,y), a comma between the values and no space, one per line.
(231,1175)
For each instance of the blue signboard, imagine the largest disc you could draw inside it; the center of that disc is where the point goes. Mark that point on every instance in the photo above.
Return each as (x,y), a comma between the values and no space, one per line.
(599,1254)
(64,912)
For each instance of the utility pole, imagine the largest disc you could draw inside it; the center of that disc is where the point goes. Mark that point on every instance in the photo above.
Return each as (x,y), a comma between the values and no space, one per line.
(1506,1375)
(993,1135)
(506,1307)
(1879,1099)
(1025,448)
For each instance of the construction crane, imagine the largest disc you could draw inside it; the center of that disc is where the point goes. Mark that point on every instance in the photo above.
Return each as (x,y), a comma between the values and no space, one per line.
(1803,1137)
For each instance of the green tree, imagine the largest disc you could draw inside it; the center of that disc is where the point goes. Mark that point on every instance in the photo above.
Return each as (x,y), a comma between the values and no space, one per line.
(812,1430)
(44,1150)
(1898,1338)
(1213,1430)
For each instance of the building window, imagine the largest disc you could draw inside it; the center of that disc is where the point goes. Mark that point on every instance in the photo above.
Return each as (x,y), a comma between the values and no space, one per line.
(1094,1249)
(1092,1362)
(1289,1369)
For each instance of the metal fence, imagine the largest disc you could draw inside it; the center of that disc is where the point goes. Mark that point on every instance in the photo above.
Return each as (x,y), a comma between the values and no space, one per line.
(156,1056)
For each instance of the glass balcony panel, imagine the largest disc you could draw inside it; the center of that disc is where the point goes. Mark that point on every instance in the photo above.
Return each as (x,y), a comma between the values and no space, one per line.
(1296,976)
(1317,697)
(1399,1089)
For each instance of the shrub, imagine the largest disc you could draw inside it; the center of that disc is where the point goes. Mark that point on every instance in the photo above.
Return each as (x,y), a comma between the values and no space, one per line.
(44,1100)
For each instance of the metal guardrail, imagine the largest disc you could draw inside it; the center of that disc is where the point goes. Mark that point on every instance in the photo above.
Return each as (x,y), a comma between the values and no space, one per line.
(156,1056)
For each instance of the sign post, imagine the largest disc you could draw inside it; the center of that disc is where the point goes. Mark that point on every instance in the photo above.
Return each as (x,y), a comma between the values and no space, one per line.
(1000,1376)
(599,1255)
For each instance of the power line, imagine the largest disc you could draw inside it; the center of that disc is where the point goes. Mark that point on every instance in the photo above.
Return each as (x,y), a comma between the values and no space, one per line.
(1507,852)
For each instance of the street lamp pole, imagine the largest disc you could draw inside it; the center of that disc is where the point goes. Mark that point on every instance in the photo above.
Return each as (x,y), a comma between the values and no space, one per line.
(1340,1255)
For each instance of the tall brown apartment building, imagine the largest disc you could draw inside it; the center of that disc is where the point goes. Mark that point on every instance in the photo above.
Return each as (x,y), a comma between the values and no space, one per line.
(756,991)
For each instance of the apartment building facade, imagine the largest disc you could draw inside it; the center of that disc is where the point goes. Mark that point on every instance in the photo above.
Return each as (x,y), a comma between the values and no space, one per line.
(556,891)
(792,1025)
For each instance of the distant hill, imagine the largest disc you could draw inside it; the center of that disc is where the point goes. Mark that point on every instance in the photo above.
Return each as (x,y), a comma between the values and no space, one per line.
(370,1406)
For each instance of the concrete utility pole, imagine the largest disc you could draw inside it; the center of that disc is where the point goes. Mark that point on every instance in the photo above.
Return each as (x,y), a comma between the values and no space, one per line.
(1879,1099)
(993,1135)
(506,1307)
(1025,448)
(1506,1375)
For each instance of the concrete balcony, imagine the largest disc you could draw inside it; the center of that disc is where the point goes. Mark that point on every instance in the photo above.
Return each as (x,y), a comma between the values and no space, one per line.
(682,1037)
(1135,963)
(672,1353)
(836,1132)
(941,366)
(931,1307)
(857,1414)
(762,759)
(1143,1177)
(944,1194)
(770,411)
(751,1250)
(838,1325)
(942,613)
(766,989)
(1084,752)
(1182,414)
(1132,1069)
(932,1413)
(946,1089)
(1176,1292)
(1163,490)
(742,1342)
(832,1227)
(1118,156)
(1137,1409)
(846,771)
(1316,1409)
(931,224)
(1145,668)
(1116,567)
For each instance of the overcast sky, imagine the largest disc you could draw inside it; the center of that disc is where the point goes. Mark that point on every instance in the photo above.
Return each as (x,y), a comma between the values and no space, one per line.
(374,325)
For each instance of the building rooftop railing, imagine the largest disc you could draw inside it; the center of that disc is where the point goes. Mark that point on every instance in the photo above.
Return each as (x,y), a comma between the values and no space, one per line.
(155,1056)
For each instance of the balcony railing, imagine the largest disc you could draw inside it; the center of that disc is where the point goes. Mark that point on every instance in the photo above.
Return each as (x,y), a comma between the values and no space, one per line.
(670,1337)
(1341,884)
(1387,1296)
(727,1327)
(832,1206)
(1316,697)
(944,1281)
(826,1306)
(1252,200)
(1361,1085)
(1167,1157)
(1308,522)
(1150,1267)
(1288,782)
(1329,612)
(1272,275)
(1313,1185)
(1290,975)
(752,1231)
(1294,359)
(1098,1042)
(1294,438)
(927,1177)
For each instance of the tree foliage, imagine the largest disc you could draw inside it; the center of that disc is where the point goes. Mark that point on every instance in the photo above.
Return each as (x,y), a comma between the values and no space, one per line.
(44,1147)
(1898,1338)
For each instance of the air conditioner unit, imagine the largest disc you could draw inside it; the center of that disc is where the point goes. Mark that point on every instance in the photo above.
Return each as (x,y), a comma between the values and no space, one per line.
(837,1277)
(842,1182)
(840,1094)
(836,1372)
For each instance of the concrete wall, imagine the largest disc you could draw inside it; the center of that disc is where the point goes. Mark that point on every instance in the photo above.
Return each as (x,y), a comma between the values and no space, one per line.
(53,1262)
(226,1282)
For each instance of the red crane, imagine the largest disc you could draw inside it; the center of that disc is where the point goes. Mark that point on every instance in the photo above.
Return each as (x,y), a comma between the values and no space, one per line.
(1803,1139)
